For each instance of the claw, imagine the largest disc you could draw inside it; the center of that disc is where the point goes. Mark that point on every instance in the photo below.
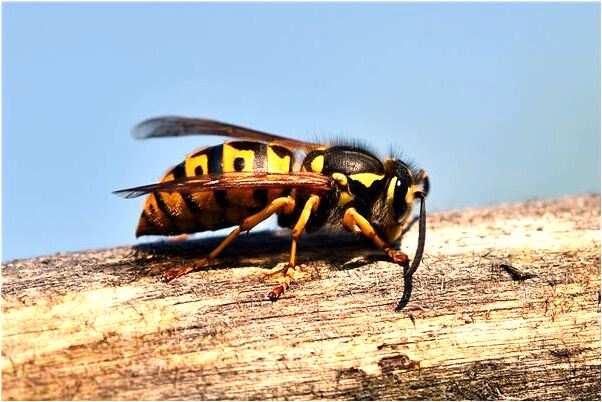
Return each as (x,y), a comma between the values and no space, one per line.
(275,294)
(171,274)
(399,257)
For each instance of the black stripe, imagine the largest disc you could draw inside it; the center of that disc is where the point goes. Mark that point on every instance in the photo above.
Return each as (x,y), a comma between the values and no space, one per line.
(246,145)
(200,152)
(358,189)
(310,157)
(261,196)
(179,171)
(215,159)
(281,151)
(163,208)
(350,160)
(191,203)
(147,220)
(220,198)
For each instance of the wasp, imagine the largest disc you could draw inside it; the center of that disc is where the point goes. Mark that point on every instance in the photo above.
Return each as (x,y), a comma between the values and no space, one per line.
(255,175)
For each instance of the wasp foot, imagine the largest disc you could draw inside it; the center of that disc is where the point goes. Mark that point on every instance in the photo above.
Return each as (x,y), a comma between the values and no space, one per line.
(275,293)
(398,257)
(288,275)
(172,274)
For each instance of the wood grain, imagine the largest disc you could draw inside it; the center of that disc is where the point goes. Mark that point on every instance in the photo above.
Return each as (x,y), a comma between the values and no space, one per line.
(100,325)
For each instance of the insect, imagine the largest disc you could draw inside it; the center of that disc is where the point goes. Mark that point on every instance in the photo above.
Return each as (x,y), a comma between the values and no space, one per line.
(255,175)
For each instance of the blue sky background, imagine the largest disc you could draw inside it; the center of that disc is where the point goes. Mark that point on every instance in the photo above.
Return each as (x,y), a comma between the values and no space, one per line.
(499,102)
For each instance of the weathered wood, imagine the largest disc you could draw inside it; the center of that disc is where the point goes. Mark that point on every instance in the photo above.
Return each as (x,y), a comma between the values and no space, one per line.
(506,305)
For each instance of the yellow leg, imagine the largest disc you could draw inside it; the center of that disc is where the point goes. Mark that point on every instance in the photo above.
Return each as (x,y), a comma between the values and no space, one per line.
(310,206)
(287,204)
(354,222)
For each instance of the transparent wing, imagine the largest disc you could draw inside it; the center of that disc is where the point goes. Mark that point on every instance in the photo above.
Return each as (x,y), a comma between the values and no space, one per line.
(238,180)
(174,126)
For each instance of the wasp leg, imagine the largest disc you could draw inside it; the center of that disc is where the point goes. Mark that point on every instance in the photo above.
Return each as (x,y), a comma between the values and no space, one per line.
(354,222)
(310,206)
(285,203)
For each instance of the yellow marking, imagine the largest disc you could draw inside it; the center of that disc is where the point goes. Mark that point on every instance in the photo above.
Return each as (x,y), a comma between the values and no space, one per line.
(317,164)
(181,215)
(409,198)
(366,178)
(340,178)
(230,154)
(277,164)
(390,198)
(155,215)
(391,189)
(242,198)
(190,165)
(344,198)
(304,169)
(410,195)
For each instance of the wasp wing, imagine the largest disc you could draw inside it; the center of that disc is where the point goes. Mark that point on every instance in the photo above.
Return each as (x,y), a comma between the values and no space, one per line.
(174,126)
(238,180)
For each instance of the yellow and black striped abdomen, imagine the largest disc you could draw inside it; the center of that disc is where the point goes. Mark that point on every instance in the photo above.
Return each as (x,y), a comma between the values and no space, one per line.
(177,213)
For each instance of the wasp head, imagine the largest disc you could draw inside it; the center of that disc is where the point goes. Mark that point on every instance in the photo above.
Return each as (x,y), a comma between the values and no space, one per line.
(404,186)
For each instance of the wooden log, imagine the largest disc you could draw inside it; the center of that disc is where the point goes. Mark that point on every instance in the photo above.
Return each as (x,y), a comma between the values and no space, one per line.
(505,305)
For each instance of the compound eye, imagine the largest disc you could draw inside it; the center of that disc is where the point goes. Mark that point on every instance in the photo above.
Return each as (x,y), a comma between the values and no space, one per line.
(400,205)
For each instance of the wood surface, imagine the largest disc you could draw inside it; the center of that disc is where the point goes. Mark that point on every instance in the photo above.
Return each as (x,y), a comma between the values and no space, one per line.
(506,305)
